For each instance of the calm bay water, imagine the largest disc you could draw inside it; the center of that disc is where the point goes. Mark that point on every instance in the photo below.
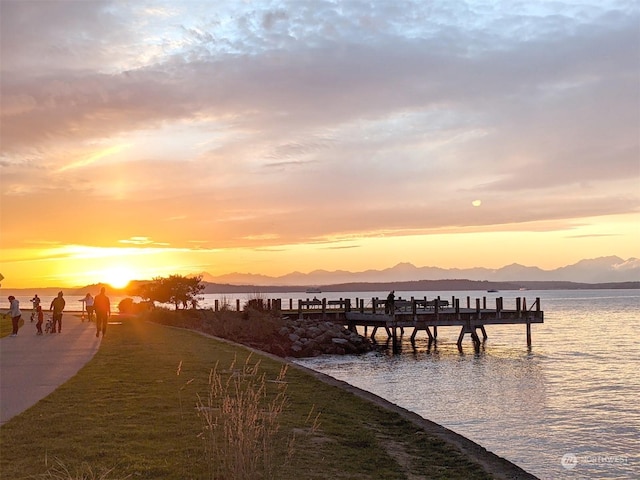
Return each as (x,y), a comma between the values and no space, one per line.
(569,408)
(574,396)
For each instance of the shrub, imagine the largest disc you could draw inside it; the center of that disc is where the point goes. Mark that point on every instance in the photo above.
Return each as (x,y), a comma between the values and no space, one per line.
(127,305)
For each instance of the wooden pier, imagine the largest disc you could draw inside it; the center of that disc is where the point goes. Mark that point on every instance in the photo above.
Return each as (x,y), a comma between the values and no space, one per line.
(417,313)
(421,315)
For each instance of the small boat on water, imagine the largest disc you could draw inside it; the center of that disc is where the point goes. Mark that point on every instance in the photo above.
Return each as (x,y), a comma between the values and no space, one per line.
(313,290)
(493,290)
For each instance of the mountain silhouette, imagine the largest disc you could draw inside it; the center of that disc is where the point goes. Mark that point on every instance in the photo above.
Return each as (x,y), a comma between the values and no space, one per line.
(609,269)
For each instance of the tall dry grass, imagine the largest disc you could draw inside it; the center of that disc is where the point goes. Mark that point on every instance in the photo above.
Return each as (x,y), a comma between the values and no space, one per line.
(59,471)
(241,421)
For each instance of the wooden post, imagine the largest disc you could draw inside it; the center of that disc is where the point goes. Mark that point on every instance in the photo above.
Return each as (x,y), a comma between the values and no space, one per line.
(237,304)
(300,309)
(519,306)
(484,303)
(468,301)
(215,305)
(431,337)
(484,332)
(528,334)
(478,307)
(373,305)
(461,336)
(413,335)
(475,338)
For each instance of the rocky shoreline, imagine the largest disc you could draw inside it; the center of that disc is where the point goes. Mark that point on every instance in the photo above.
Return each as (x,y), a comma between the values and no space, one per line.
(269,332)
(310,338)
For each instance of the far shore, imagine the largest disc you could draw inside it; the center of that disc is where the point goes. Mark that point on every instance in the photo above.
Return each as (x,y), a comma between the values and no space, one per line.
(408,286)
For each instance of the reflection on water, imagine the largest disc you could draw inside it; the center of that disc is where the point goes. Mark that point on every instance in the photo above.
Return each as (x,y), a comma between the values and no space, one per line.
(576,391)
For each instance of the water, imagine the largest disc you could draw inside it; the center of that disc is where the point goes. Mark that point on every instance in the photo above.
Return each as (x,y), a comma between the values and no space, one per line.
(567,409)
(575,395)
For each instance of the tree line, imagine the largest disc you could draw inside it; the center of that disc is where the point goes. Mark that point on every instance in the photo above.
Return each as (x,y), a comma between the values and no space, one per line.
(180,291)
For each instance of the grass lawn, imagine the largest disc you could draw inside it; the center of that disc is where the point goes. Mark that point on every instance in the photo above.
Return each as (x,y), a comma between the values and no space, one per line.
(5,324)
(129,411)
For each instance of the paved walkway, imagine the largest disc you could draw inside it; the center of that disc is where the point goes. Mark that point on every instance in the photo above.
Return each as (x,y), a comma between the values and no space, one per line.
(32,366)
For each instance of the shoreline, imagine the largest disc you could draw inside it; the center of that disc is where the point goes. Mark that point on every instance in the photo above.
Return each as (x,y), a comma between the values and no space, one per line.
(496,466)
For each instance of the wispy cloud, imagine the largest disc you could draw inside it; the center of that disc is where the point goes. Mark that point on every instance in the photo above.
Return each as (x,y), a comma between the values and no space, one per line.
(266,123)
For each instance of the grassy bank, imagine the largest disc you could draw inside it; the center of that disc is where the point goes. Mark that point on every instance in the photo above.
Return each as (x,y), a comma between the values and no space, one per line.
(131,412)
(6,327)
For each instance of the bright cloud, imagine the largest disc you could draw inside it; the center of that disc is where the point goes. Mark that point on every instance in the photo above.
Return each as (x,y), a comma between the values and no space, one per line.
(278,123)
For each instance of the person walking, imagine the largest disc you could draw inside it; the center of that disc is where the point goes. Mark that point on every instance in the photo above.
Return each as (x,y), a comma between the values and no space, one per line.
(40,320)
(102,307)
(15,314)
(88,303)
(36,303)
(57,305)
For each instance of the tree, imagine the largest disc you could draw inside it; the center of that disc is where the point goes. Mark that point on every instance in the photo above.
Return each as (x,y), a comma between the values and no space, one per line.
(174,289)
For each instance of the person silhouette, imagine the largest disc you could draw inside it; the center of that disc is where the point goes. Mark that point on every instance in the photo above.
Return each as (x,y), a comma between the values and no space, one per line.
(36,303)
(389,307)
(88,303)
(102,307)
(15,314)
(57,305)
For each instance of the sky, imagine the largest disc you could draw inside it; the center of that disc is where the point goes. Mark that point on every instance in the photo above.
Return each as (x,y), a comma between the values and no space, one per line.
(150,138)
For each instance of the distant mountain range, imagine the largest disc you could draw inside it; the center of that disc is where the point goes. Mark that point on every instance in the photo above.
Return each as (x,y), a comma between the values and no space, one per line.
(597,270)
(603,272)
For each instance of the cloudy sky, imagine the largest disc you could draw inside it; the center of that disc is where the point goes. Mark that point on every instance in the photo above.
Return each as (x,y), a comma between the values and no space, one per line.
(148,138)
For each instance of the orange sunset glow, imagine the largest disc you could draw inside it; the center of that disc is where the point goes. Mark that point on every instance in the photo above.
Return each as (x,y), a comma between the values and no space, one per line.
(145,139)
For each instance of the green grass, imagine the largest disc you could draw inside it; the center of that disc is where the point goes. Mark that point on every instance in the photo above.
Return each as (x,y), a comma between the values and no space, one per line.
(129,413)
(5,324)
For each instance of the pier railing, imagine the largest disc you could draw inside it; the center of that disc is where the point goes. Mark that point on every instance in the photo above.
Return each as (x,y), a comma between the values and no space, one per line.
(421,314)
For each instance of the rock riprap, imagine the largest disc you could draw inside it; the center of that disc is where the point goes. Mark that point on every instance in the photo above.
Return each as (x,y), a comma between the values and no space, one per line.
(310,338)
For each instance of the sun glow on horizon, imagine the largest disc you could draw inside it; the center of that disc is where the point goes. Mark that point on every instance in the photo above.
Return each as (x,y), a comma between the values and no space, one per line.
(117,277)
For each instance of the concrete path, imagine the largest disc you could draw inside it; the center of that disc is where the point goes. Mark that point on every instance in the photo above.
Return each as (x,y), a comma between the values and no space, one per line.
(32,366)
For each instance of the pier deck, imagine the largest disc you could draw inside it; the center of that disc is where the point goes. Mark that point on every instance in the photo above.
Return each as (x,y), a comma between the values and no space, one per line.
(422,315)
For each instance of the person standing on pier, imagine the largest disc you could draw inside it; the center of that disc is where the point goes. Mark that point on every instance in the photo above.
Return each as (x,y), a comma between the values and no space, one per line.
(389,306)
(57,306)
(102,307)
